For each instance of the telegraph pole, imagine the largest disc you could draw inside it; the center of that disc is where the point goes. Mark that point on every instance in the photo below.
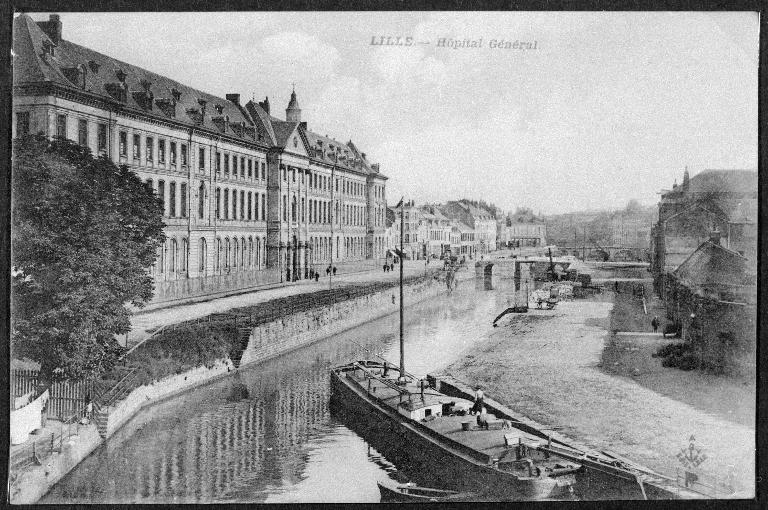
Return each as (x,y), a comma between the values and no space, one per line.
(402,336)
(333,183)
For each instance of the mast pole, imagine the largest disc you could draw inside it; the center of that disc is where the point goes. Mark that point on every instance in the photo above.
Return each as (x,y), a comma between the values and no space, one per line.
(402,260)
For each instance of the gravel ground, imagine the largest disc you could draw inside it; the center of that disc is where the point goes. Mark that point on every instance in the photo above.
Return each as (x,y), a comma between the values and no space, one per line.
(546,365)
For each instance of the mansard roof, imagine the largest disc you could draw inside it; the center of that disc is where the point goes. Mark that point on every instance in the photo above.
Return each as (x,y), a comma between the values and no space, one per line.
(125,86)
(81,69)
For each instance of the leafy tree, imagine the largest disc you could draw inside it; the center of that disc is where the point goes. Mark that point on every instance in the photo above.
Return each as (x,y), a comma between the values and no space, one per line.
(84,231)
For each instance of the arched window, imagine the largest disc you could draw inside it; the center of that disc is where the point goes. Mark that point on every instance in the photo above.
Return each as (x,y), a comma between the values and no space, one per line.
(242,252)
(258,253)
(250,252)
(293,209)
(236,246)
(203,255)
(201,201)
(226,204)
(226,253)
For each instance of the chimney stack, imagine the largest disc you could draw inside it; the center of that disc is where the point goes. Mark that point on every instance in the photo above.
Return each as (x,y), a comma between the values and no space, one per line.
(52,28)
(235,98)
(265,105)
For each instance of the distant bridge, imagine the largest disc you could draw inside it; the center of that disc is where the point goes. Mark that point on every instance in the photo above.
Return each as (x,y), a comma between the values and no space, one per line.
(618,253)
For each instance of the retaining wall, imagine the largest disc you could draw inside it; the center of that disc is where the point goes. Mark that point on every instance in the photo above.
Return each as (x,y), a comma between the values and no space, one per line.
(303,328)
(267,341)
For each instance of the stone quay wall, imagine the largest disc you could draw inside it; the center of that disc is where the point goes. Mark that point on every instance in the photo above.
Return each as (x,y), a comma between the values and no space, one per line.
(267,341)
(300,329)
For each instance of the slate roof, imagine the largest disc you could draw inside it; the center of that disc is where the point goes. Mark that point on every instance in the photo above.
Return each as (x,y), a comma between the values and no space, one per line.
(733,181)
(146,92)
(154,95)
(261,119)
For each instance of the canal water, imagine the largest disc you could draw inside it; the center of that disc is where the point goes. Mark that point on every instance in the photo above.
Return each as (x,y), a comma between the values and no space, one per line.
(265,434)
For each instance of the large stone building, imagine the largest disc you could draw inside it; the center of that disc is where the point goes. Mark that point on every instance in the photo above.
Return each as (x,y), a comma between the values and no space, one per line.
(249,198)
(714,200)
(704,263)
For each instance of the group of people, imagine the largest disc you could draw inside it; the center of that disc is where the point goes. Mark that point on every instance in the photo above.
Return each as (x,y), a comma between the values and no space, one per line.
(389,267)
(314,275)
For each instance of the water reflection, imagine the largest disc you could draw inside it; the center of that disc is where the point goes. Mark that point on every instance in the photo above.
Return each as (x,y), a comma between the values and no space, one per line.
(266,433)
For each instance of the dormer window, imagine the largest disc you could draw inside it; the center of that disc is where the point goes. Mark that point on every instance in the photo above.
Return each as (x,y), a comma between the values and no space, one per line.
(295,142)
(176,94)
(146,84)
(219,109)
(120,75)
(93,66)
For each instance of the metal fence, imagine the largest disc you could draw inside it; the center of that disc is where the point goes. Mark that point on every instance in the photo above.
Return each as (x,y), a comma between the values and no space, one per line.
(65,397)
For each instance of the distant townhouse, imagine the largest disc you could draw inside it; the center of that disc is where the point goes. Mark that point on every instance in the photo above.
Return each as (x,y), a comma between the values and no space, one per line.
(481,221)
(519,234)
(248,198)
(438,231)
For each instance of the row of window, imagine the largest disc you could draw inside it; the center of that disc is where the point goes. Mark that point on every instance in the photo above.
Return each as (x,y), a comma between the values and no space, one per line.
(82,131)
(227,204)
(321,182)
(242,167)
(169,203)
(173,256)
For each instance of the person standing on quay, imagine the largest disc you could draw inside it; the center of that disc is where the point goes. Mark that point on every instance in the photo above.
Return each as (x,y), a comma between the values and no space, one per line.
(655,323)
(478,400)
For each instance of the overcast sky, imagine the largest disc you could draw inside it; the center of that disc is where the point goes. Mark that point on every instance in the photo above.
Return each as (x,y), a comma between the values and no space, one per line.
(608,107)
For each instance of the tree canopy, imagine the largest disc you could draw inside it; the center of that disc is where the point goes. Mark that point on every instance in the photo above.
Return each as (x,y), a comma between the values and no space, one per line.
(84,233)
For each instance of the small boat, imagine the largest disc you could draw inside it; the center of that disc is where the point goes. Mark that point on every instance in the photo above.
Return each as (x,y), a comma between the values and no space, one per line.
(407,493)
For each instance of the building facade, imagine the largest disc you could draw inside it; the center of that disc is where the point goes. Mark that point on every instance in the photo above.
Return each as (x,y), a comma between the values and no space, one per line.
(248,198)
(481,221)
(516,235)
(437,231)
(723,201)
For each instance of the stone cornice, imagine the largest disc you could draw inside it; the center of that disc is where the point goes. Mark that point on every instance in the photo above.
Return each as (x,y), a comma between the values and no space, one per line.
(98,101)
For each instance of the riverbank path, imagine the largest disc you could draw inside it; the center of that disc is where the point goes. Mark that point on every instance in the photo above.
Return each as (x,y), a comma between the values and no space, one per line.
(143,323)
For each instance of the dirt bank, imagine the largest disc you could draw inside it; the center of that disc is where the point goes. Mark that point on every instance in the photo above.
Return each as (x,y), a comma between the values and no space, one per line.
(546,365)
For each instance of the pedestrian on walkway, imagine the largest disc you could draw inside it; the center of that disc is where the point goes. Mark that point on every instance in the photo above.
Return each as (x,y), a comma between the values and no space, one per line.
(655,323)
(334,270)
(328,271)
(317,276)
(482,419)
(479,395)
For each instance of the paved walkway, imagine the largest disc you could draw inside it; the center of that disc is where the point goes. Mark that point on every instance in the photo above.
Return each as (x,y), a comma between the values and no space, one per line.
(144,323)
(638,333)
